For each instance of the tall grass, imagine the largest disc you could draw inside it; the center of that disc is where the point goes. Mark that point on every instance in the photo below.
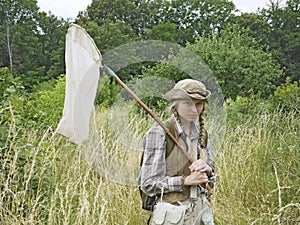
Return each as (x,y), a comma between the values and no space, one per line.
(46,180)
(258,171)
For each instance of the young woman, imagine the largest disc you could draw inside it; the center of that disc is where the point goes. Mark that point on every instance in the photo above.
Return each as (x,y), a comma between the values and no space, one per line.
(183,187)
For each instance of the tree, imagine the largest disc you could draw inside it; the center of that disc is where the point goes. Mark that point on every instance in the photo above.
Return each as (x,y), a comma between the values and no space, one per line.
(52,33)
(257,26)
(240,63)
(285,35)
(130,12)
(18,34)
(196,17)
(109,35)
(32,42)
(192,17)
(165,31)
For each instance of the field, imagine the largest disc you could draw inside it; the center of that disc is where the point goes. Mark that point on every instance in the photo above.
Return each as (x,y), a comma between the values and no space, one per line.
(51,181)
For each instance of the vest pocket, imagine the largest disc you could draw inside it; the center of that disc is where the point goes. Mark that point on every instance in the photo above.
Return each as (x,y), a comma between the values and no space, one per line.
(168,214)
(176,216)
(159,215)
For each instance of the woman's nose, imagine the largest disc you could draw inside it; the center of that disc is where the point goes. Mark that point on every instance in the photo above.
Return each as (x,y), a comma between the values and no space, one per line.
(194,108)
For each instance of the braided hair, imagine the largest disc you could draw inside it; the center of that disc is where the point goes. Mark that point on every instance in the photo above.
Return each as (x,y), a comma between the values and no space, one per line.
(202,134)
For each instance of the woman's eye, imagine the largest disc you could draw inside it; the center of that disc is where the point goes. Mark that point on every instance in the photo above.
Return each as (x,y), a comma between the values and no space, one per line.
(188,103)
(199,104)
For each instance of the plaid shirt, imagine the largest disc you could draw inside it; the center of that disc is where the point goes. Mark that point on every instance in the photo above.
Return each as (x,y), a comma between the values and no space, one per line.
(152,176)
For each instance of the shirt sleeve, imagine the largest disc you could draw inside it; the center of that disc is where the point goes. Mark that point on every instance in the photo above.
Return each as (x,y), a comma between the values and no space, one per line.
(153,171)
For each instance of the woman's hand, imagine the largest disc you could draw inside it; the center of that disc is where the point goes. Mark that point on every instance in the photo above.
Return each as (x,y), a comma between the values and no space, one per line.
(196,178)
(201,166)
(200,171)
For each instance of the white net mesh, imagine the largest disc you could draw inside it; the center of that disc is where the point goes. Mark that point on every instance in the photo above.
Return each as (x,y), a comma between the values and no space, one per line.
(83,60)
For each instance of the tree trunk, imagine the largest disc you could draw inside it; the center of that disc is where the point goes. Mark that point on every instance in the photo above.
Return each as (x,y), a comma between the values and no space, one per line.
(9,49)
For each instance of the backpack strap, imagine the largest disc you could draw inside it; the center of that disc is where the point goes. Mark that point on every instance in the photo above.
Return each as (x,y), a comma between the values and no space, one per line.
(169,142)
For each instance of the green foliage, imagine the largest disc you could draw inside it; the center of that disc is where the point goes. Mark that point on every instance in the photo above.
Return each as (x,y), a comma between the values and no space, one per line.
(18,31)
(48,101)
(106,92)
(201,16)
(257,26)
(165,31)
(52,43)
(285,35)
(33,77)
(12,98)
(41,109)
(240,64)
(109,35)
(121,24)
(7,81)
(189,17)
(240,110)
(287,96)
(285,99)
(164,70)
(130,13)
(32,43)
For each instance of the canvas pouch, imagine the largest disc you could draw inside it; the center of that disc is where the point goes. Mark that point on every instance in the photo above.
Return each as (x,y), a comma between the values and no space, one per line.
(168,214)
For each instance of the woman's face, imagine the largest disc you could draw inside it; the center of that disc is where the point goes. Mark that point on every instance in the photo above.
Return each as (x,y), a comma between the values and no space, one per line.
(189,110)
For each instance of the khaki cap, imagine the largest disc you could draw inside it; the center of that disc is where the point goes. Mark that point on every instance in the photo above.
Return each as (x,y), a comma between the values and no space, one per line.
(187,89)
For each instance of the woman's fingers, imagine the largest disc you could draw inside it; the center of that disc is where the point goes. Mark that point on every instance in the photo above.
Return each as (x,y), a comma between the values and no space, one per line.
(196,178)
(200,165)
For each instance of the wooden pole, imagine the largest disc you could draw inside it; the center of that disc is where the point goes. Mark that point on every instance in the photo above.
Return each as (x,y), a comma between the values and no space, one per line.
(145,107)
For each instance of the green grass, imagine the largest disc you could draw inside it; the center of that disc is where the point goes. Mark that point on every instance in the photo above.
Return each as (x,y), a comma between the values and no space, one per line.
(46,180)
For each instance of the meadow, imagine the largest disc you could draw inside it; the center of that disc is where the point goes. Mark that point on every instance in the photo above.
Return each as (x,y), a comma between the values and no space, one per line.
(51,181)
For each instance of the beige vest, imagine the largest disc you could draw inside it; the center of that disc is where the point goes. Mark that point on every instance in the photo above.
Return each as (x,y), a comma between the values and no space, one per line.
(178,165)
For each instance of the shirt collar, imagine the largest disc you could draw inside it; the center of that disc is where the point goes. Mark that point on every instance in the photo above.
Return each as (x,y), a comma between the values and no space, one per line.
(194,129)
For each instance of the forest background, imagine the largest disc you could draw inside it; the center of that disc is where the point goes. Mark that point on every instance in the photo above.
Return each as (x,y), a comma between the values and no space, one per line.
(254,56)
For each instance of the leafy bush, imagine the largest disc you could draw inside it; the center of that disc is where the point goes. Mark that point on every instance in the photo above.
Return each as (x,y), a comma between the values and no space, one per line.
(240,64)
(13,99)
(241,110)
(106,92)
(286,96)
(23,110)
(48,102)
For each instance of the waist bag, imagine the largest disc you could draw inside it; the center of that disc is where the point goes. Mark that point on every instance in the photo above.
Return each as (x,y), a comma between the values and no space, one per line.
(168,214)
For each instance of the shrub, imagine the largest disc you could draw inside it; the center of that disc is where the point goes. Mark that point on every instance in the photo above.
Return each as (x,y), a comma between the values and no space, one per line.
(287,96)
(47,102)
